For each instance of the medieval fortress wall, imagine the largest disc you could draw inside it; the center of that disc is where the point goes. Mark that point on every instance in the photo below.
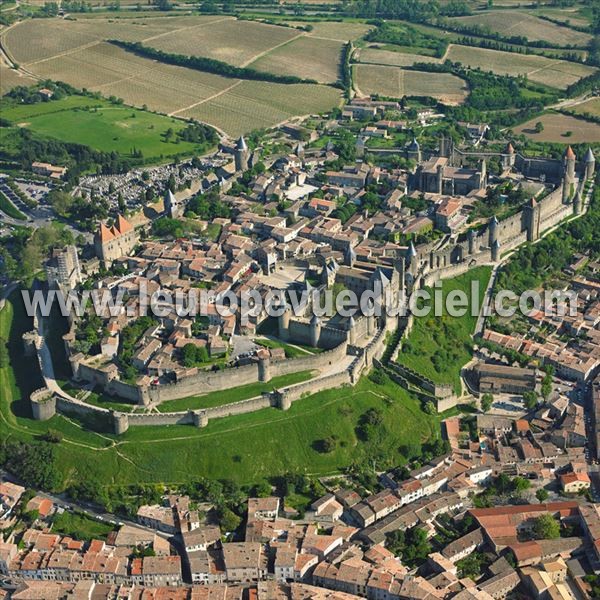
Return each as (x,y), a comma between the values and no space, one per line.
(425,266)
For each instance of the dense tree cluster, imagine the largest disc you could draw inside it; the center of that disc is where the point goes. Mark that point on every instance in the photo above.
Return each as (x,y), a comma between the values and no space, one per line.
(33,462)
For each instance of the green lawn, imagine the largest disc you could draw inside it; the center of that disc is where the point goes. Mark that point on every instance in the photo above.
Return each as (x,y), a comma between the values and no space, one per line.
(101,125)
(80,527)
(438,347)
(234,394)
(246,448)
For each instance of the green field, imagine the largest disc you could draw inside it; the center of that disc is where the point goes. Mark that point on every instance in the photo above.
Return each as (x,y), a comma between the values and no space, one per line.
(234,394)
(101,125)
(438,347)
(80,527)
(245,448)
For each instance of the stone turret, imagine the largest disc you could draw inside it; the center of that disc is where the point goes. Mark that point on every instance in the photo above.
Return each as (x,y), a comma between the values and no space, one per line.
(120,422)
(483,174)
(493,231)
(589,164)
(471,237)
(350,256)
(440,179)
(508,157)
(264,369)
(531,213)
(496,251)
(568,175)
(569,161)
(284,323)
(315,331)
(578,203)
(43,404)
(413,152)
(199,418)
(413,260)
(241,155)
(351,330)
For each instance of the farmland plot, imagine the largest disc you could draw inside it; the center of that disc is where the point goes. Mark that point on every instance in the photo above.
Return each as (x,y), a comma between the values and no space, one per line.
(561,128)
(395,82)
(376,56)
(253,105)
(548,71)
(514,23)
(234,42)
(317,59)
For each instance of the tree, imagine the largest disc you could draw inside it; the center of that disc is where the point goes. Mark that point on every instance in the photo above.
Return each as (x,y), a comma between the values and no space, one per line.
(486,402)
(61,202)
(539,127)
(188,355)
(430,408)
(520,484)
(542,494)
(530,398)
(228,520)
(546,527)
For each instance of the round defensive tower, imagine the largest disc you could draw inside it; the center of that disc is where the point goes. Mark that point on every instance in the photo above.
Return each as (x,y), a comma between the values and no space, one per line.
(43,404)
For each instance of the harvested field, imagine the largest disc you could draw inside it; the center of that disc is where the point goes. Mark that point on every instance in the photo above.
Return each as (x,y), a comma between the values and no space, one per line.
(591,106)
(39,39)
(396,82)
(515,23)
(376,56)
(42,39)
(556,128)
(10,78)
(548,71)
(255,104)
(234,42)
(316,58)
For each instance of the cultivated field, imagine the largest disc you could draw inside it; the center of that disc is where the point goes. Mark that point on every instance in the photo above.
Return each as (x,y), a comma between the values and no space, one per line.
(515,23)
(100,125)
(395,82)
(42,39)
(309,58)
(377,56)
(591,106)
(256,104)
(234,42)
(548,71)
(557,128)
(10,78)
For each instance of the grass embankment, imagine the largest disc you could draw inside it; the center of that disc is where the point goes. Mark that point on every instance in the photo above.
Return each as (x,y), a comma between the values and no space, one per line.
(8,208)
(101,125)
(438,347)
(245,448)
(234,394)
(291,351)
